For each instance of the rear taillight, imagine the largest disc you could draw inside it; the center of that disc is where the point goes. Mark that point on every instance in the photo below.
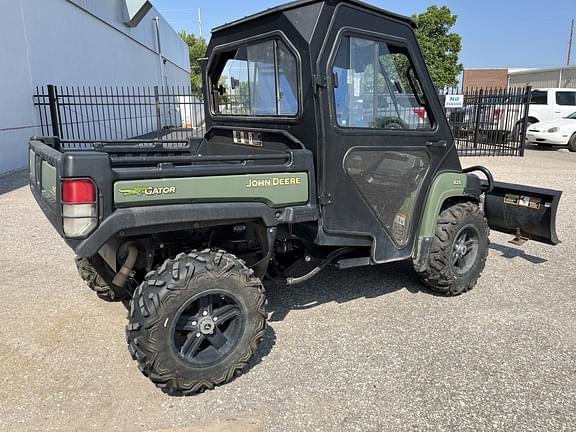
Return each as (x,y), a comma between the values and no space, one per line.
(497,114)
(420,112)
(79,209)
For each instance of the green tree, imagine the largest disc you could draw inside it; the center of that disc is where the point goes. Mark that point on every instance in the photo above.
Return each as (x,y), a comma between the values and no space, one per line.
(197,48)
(440,47)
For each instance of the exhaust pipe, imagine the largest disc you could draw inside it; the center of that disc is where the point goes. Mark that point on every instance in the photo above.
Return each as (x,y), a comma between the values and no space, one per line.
(122,276)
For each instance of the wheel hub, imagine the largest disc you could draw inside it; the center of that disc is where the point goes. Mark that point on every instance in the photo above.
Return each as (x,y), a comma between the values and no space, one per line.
(465,250)
(206,325)
(461,248)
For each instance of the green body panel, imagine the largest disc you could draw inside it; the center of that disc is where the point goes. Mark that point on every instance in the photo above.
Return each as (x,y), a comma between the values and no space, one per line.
(274,189)
(49,179)
(445,185)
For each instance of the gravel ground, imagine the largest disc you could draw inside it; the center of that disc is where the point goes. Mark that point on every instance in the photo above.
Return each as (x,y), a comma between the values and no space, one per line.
(356,350)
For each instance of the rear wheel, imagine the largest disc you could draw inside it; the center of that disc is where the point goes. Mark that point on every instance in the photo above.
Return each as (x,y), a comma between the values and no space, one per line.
(572,143)
(196,321)
(458,251)
(97,281)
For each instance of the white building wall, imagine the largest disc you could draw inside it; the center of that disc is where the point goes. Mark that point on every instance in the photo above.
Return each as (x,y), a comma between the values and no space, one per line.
(544,78)
(58,42)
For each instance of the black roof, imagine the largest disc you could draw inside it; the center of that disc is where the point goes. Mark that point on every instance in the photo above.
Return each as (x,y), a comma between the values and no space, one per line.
(300,3)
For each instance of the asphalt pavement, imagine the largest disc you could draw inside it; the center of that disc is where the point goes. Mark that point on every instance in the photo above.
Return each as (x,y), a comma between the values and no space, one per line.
(356,350)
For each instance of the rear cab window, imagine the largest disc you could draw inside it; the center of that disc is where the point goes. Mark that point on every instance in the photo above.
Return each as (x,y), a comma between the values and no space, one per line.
(256,79)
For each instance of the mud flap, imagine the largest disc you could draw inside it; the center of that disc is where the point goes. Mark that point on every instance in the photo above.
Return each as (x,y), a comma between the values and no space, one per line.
(527,212)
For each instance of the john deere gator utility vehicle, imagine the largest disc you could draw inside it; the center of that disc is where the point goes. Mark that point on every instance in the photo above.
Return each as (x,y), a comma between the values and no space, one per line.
(325,144)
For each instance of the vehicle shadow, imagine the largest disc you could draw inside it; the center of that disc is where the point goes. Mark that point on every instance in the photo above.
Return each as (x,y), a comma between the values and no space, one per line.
(544,148)
(264,348)
(510,253)
(12,181)
(341,286)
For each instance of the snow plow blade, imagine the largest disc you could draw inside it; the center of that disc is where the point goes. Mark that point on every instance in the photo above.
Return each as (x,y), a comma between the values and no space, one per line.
(529,213)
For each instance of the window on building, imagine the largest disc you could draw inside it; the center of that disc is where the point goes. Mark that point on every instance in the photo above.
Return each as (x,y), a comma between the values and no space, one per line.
(566,98)
(260,79)
(539,97)
(375,86)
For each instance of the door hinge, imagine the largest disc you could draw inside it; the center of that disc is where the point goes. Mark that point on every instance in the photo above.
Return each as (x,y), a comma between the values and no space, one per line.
(319,82)
(325,199)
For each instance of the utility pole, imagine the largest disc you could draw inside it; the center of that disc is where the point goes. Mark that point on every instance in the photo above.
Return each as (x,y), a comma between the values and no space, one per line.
(570,42)
(200,22)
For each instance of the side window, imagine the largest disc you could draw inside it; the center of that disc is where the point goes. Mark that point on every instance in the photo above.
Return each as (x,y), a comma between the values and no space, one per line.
(566,98)
(260,79)
(376,87)
(539,98)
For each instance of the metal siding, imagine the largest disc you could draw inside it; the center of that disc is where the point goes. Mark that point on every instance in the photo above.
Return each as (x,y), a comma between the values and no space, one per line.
(549,78)
(174,48)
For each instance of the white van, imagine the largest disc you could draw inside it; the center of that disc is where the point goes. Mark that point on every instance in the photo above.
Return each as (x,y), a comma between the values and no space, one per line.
(551,104)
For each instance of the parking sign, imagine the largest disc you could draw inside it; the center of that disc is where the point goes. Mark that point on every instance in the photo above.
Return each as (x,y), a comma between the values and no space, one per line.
(454,101)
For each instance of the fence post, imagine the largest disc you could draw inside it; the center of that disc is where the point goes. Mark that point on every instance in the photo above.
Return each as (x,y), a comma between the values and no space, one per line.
(53,101)
(158,114)
(478,113)
(527,101)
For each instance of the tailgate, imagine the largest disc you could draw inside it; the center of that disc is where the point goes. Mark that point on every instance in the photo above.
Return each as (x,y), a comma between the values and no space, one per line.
(44,163)
(527,212)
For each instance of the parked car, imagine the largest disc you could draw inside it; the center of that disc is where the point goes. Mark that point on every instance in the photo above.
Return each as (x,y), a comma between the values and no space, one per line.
(554,133)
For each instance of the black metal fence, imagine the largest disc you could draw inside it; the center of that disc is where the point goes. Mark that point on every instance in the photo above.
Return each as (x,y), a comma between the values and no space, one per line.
(115,113)
(491,122)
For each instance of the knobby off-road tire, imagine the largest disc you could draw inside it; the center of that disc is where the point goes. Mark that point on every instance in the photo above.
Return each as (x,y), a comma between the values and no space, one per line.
(196,321)
(458,251)
(97,283)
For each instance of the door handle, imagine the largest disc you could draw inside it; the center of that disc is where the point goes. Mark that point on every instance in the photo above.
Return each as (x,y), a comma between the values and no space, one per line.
(437,144)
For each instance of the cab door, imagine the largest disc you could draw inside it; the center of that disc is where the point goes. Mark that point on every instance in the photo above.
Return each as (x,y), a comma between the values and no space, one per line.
(383,140)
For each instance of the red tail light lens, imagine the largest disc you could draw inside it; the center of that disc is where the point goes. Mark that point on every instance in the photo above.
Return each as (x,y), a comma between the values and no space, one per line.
(78,191)
(420,112)
(497,113)
(79,207)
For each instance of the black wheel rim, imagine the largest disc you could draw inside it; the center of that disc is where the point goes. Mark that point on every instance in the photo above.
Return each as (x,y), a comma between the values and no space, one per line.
(465,250)
(208,328)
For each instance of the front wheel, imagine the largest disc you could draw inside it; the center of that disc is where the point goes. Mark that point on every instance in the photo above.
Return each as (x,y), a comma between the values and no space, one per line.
(196,321)
(518,128)
(458,251)
(572,143)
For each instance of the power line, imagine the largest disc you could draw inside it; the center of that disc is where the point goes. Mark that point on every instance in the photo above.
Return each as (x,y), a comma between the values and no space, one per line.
(177,10)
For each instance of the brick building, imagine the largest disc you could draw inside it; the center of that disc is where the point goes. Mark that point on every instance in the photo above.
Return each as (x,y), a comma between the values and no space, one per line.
(485,78)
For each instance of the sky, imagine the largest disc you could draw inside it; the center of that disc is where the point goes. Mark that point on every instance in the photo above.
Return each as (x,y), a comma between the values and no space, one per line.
(495,33)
